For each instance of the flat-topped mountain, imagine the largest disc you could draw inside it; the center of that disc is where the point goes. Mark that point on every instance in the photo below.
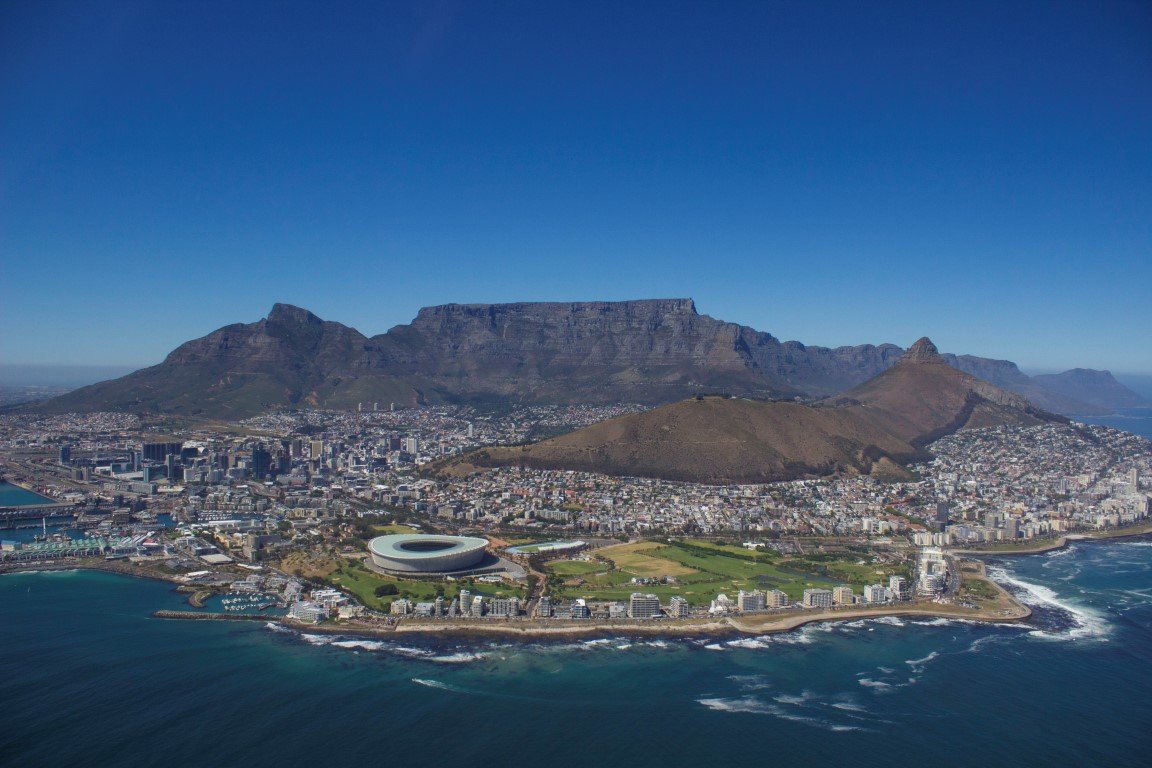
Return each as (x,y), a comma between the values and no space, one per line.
(874,428)
(649,351)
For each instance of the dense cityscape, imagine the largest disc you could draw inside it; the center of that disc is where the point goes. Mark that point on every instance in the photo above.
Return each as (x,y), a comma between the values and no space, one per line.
(246,509)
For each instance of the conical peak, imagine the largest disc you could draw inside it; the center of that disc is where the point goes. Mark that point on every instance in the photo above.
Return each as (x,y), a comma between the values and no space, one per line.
(923,351)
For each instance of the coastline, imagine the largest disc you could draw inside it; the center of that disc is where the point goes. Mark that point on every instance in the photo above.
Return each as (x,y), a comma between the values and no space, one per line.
(1007,608)
(534,629)
(1051,545)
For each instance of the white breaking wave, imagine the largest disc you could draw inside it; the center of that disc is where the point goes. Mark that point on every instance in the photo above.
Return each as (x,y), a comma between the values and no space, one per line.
(894,621)
(919,664)
(458,658)
(749,643)
(870,683)
(744,704)
(1088,624)
(750,682)
(980,642)
(359,645)
(800,637)
(714,647)
(940,621)
(749,704)
(436,684)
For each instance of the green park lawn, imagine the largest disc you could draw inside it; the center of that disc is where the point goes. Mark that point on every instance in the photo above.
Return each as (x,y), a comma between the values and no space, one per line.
(704,569)
(354,577)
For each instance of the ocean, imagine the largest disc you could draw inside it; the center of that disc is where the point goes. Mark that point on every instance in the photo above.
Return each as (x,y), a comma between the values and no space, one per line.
(1138,421)
(88,677)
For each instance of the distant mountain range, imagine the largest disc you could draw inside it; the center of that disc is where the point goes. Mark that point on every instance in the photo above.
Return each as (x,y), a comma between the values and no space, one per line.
(650,351)
(875,428)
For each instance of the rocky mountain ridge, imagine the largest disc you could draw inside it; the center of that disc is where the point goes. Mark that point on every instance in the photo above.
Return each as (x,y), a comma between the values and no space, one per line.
(648,351)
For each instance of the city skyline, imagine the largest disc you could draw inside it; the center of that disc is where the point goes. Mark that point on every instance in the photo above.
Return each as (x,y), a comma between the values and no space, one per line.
(831,174)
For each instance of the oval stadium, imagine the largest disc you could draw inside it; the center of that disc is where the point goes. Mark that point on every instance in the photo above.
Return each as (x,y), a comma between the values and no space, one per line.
(426,553)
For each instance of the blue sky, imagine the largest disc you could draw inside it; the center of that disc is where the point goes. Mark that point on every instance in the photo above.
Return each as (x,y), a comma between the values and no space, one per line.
(835,173)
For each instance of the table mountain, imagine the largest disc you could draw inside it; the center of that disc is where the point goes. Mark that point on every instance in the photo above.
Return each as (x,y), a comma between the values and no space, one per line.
(650,351)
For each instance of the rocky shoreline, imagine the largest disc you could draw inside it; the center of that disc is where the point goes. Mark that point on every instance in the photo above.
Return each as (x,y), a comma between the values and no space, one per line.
(1011,610)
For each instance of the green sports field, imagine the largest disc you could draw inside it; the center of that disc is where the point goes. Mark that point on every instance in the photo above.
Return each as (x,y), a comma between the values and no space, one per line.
(703,569)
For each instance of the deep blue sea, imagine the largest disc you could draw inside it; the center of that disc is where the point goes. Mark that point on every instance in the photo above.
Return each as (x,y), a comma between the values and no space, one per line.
(89,678)
(1135,420)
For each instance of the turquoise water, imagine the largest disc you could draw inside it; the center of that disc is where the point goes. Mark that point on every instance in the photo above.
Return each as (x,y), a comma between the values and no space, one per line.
(87,677)
(15,496)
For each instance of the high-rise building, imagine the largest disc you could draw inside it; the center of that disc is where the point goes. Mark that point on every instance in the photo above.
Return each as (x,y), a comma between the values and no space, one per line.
(65,454)
(817,598)
(875,593)
(261,461)
(776,598)
(898,588)
(678,608)
(158,452)
(505,606)
(642,606)
(465,602)
(544,607)
(750,601)
(843,596)
(1012,528)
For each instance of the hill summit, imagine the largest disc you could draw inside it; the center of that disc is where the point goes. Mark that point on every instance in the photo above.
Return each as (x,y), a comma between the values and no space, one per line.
(877,427)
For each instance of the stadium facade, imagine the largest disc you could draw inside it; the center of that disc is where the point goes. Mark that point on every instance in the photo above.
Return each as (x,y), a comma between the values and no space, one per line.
(426,553)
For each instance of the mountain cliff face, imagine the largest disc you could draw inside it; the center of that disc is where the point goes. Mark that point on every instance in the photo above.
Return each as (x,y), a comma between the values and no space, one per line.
(874,428)
(641,351)
(1096,388)
(651,351)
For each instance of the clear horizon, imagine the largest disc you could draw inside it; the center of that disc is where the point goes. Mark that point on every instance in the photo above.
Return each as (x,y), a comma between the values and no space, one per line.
(829,173)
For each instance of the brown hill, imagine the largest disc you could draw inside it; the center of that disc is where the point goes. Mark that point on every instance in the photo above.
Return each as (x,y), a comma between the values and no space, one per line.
(922,398)
(875,428)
